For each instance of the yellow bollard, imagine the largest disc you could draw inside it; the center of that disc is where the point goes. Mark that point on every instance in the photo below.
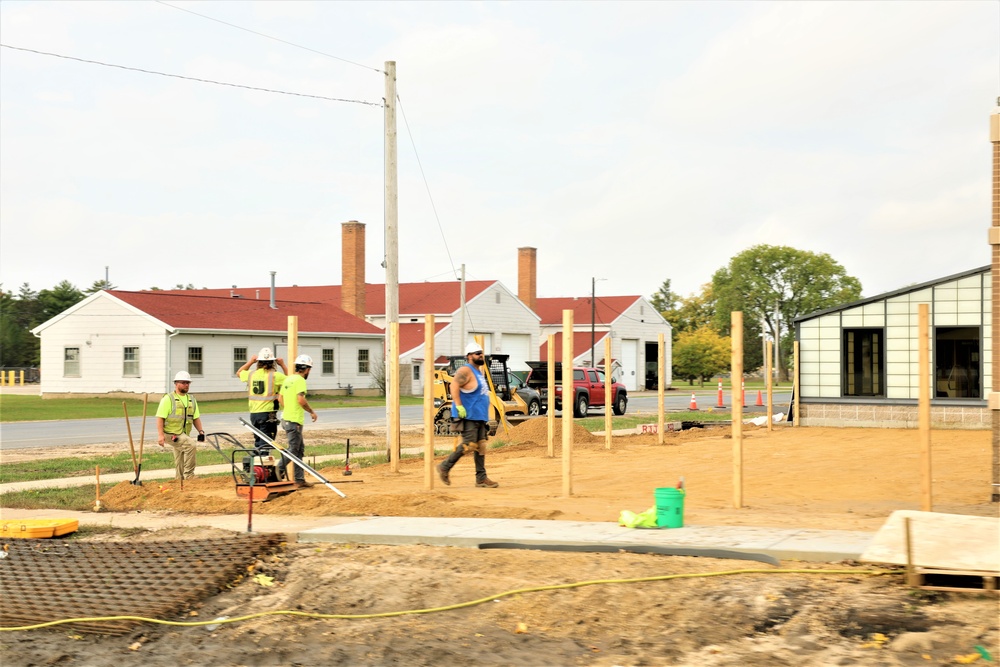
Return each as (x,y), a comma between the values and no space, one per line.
(22,378)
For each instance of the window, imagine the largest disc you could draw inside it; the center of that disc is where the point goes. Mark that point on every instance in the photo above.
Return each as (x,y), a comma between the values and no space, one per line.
(956,362)
(71,362)
(130,361)
(195,361)
(327,362)
(362,361)
(416,371)
(239,358)
(864,362)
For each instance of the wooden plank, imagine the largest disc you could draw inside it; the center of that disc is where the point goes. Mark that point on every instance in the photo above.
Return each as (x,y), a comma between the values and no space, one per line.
(945,541)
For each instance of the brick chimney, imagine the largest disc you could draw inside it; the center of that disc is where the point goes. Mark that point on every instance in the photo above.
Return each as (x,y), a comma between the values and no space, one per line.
(352,268)
(527,276)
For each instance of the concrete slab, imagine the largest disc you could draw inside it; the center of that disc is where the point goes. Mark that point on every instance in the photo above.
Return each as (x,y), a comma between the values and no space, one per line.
(814,546)
(938,540)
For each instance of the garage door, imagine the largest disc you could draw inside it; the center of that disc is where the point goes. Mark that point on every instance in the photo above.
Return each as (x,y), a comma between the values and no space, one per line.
(518,346)
(630,358)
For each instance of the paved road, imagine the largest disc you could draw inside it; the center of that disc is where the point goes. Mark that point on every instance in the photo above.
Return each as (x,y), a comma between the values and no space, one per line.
(23,435)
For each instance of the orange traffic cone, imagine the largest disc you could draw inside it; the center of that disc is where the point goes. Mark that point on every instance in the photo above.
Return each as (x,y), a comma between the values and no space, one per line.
(760,399)
(694,403)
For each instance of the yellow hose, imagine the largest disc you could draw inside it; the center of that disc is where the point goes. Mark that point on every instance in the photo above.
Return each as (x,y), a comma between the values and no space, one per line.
(460,605)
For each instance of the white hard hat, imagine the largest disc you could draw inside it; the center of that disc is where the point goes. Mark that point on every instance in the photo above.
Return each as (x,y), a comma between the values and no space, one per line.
(304,360)
(472,348)
(182,376)
(265,354)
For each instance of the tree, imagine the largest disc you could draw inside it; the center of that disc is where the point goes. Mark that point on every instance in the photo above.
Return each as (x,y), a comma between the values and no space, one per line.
(700,354)
(17,346)
(664,300)
(694,312)
(59,298)
(776,284)
(98,286)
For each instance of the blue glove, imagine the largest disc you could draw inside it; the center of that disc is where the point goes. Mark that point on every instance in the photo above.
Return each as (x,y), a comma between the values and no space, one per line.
(462,412)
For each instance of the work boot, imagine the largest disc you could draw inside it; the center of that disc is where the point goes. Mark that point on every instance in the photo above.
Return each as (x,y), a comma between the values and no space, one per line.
(303,485)
(487,483)
(443,474)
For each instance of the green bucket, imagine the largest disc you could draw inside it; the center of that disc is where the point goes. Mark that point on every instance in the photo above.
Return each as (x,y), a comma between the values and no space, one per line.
(669,507)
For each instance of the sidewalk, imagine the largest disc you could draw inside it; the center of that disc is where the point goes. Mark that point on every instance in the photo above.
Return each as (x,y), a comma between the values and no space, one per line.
(818,546)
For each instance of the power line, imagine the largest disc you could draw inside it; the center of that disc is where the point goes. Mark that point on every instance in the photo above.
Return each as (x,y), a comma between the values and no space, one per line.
(426,185)
(191,78)
(260,34)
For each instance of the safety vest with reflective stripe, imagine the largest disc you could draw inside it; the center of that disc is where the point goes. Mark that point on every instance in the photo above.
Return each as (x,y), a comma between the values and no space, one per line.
(181,417)
(262,389)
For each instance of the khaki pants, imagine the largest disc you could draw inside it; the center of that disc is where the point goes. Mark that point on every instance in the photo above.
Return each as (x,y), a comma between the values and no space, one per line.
(185,448)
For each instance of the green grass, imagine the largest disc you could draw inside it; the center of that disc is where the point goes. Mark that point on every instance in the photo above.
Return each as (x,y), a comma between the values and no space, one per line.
(75,498)
(18,407)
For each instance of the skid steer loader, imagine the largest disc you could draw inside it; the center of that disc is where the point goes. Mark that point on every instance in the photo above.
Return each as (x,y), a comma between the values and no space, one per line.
(504,399)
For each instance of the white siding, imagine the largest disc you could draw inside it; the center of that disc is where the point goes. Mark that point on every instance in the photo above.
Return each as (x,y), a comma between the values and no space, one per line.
(644,323)
(101,328)
(496,314)
(345,360)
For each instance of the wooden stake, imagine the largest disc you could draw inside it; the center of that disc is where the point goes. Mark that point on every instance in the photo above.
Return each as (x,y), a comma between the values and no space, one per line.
(736,376)
(551,388)
(924,407)
(770,385)
(567,403)
(607,391)
(429,401)
(795,387)
(660,371)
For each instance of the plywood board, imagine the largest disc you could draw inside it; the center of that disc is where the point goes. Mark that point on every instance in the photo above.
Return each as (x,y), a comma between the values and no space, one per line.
(947,541)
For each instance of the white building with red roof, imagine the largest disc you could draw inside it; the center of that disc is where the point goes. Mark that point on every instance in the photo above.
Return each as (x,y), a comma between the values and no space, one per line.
(632,323)
(119,342)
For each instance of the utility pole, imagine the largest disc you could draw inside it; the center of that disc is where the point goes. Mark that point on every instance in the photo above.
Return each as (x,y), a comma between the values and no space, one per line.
(391,266)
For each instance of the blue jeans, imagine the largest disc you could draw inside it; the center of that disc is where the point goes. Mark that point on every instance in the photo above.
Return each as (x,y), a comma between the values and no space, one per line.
(262,422)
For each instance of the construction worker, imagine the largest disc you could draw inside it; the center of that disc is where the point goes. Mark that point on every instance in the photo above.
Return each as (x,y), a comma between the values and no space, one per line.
(177,412)
(263,385)
(470,397)
(294,407)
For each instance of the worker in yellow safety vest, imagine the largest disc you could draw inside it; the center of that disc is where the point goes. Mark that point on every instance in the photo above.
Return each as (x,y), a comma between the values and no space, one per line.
(263,385)
(175,415)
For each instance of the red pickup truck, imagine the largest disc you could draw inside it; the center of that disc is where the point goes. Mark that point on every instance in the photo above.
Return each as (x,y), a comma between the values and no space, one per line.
(588,388)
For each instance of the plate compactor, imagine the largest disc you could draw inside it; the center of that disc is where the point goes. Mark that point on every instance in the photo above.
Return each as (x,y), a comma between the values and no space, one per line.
(255,472)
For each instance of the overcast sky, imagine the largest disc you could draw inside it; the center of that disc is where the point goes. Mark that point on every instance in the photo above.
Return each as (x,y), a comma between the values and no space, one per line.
(629,142)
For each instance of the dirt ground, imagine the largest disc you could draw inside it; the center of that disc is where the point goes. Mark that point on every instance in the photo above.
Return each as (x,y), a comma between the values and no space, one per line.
(847,479)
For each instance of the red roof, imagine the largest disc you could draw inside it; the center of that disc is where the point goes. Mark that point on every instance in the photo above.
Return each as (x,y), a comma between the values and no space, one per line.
(608,309)
(416,298)
(411,334)
(189,309)
(581,345)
